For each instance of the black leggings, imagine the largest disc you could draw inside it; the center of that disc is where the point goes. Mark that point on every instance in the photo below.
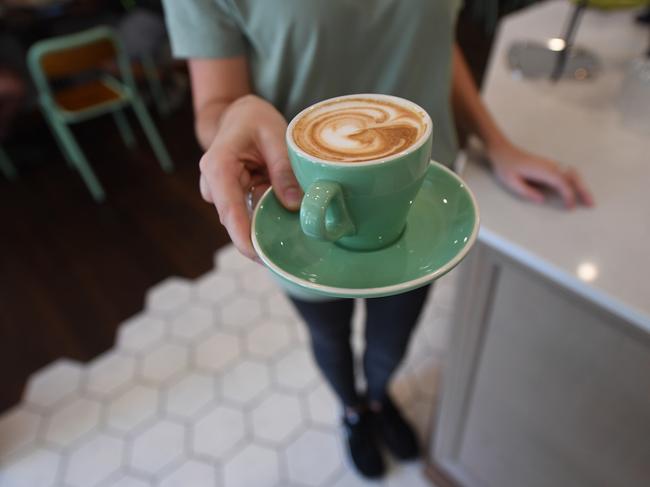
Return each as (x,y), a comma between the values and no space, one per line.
(389,323)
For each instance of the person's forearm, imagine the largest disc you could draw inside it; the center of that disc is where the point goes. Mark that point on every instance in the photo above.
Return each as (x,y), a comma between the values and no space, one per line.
(470,111)
(207,121)
(216,84)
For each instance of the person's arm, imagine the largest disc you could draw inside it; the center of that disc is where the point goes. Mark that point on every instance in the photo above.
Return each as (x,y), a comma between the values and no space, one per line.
(243,136)
(516,168)
(216,83)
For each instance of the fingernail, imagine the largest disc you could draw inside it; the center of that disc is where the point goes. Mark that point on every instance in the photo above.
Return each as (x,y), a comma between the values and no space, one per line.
(292,196)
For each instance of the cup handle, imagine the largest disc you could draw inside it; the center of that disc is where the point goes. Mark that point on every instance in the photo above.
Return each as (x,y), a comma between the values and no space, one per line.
(323,214)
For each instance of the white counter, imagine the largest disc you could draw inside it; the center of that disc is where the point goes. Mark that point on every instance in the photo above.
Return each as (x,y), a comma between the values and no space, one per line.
(577,123)
(548,373)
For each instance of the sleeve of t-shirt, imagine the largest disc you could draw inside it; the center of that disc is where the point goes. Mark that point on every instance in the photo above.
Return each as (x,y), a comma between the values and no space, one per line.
(202,29)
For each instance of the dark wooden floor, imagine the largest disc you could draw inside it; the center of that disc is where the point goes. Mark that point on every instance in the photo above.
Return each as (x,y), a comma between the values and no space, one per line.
(70,269)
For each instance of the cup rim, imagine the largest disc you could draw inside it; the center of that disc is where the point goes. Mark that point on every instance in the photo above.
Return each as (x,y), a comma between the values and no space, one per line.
(399,100)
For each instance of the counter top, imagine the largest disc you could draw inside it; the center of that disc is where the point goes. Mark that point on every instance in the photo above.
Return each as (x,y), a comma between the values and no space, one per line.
(602,253)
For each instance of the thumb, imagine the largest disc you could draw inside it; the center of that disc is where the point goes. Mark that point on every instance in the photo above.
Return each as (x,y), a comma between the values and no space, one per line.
(285,185)
(274,150)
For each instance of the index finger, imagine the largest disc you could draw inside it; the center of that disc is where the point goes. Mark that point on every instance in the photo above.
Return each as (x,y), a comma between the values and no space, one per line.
(559,182)
(580,187)
(223,174)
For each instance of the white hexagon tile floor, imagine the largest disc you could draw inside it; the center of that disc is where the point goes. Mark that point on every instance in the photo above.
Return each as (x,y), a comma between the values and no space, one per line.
(212,384)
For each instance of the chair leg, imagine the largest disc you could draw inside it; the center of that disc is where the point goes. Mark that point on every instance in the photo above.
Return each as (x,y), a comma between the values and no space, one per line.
(124,128)
(78,158)
(6,167)
(152,134)
(155,86)
(64,150)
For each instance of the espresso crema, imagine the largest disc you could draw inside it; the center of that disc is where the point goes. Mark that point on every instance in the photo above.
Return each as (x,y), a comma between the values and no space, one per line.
(358,129)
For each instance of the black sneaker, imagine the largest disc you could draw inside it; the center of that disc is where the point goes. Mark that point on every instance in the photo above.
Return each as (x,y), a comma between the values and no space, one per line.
(395,432)
(362,444)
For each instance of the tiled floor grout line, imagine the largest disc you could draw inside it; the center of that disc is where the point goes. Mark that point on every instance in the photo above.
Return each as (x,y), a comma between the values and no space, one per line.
(160,327)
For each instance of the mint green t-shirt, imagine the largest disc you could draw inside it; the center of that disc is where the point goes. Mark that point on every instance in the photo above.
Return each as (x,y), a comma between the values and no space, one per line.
(303,51)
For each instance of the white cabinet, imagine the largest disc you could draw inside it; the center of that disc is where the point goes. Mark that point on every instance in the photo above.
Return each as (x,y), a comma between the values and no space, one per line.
(542,387)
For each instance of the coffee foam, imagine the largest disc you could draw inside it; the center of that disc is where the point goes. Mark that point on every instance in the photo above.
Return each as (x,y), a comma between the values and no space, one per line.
(358,129)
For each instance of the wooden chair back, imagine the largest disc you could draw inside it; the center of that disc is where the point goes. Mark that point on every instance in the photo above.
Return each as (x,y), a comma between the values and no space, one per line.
(68,55)
(59,63)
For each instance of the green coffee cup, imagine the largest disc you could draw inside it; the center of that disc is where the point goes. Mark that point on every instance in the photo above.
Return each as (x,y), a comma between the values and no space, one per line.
(360,205)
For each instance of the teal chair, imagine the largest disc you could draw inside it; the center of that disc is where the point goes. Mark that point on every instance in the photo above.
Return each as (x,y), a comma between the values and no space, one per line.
(6,167)
(89,52)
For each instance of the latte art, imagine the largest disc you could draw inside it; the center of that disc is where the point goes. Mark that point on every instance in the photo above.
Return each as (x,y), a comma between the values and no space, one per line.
(358,129)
